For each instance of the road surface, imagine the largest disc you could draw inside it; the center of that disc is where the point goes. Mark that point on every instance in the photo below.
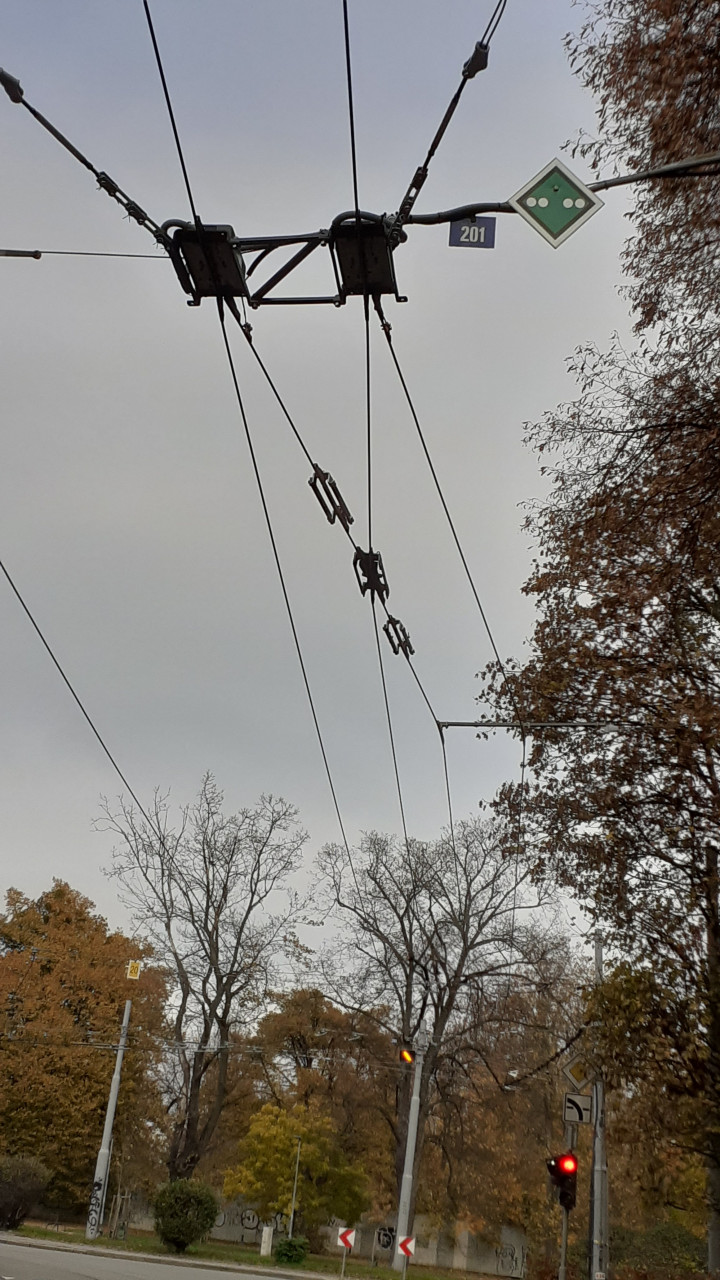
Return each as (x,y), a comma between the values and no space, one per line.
(32,1262)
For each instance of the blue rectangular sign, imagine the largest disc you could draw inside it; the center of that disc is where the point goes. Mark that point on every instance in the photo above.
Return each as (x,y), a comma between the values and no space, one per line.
(476,233)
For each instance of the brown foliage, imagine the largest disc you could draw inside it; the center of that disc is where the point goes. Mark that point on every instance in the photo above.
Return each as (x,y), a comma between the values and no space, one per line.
(62,994)
(654,68)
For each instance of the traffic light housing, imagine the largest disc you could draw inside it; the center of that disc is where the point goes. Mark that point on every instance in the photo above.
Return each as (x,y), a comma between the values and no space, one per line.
(563,1173)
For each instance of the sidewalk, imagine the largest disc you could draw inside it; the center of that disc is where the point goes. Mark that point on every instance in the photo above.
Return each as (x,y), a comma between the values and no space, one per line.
(176,1259)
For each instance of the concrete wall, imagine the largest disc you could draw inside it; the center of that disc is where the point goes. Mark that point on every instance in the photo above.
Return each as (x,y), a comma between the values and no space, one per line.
(451,1246)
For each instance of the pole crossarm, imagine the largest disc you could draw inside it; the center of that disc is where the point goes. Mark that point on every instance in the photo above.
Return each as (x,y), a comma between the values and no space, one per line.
(355,240)
(678,169)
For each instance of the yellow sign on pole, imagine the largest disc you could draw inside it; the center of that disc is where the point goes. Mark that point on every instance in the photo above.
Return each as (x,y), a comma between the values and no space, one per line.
(133,969)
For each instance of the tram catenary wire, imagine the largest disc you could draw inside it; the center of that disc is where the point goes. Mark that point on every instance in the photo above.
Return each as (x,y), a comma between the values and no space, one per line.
(368,414)
(346,530)
(281,576)
(255,467)
(14,91)
(387,330)
(79,702)
(171,113)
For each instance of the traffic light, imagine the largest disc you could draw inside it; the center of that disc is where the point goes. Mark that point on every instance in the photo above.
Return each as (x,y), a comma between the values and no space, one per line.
(407,1055)
(563,1173)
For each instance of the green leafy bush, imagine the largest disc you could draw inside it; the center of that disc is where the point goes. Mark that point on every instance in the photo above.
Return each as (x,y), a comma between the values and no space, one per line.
(184,1212)
(22,1182)
(295,1250)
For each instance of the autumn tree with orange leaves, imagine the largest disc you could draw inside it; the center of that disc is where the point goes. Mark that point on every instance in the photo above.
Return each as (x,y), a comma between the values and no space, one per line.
(624,808)
(63,987)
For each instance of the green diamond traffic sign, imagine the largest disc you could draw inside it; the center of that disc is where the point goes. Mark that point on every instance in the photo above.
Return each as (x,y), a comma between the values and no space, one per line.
(555,202)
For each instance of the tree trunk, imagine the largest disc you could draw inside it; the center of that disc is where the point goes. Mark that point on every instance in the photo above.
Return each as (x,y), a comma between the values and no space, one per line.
(712,1131)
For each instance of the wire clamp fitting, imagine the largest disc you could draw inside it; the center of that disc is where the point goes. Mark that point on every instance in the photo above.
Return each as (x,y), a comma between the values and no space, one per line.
(370,573)
(330,497)
(477,61)
(398,636)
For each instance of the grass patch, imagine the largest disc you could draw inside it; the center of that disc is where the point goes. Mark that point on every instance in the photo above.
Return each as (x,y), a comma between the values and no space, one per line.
(226,1251)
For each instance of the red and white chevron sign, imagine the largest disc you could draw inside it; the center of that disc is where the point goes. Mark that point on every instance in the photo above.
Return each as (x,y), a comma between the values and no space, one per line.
(346,1237)
(407,1246)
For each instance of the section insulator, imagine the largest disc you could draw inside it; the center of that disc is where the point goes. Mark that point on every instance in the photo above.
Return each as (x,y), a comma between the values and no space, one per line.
(330,497)
(398,636)
(370,573)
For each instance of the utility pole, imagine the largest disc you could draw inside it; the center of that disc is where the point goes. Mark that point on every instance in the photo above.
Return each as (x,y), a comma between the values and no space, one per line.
(599,1203)
(563,1244)
(406,1187)
(102,1167)
(294,1194)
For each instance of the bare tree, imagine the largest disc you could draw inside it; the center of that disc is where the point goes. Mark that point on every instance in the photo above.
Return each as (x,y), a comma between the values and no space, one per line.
(203,894)
(430,932)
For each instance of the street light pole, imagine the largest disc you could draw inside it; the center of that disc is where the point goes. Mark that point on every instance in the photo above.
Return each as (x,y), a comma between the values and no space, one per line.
(406,1187)
(102,1167)
(294,1194)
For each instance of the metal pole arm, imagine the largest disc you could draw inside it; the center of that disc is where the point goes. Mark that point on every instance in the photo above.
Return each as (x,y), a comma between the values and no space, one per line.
(14,90)
(678,169)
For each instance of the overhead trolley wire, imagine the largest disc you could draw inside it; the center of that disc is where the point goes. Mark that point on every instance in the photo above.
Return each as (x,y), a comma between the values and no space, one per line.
(171,113)
(280,573)
(368,409)
(346,530)
(236,385)
(255,466)
(384,324)
(388,718)
(351,108)
(386,328)
(78,700)
(361,251)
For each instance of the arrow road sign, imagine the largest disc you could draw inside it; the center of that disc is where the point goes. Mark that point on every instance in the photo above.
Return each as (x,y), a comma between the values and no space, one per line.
(406,1246)
(555,202)
(578,1108)
(346,1237)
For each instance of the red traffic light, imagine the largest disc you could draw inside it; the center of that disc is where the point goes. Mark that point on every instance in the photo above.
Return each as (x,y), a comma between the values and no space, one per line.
(563,1173)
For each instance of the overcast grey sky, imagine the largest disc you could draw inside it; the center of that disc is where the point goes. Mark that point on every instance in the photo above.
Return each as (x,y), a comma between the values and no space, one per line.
(128,512)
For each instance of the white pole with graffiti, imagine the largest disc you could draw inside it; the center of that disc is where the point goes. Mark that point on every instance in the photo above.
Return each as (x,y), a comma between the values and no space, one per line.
(102,1168)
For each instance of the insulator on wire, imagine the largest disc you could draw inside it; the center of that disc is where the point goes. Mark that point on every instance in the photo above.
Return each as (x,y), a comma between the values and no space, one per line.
(330,497)
(398,636)
(370,573)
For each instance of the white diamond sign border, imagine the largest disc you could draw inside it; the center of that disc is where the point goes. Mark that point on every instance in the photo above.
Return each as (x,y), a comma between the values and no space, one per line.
(593,199)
